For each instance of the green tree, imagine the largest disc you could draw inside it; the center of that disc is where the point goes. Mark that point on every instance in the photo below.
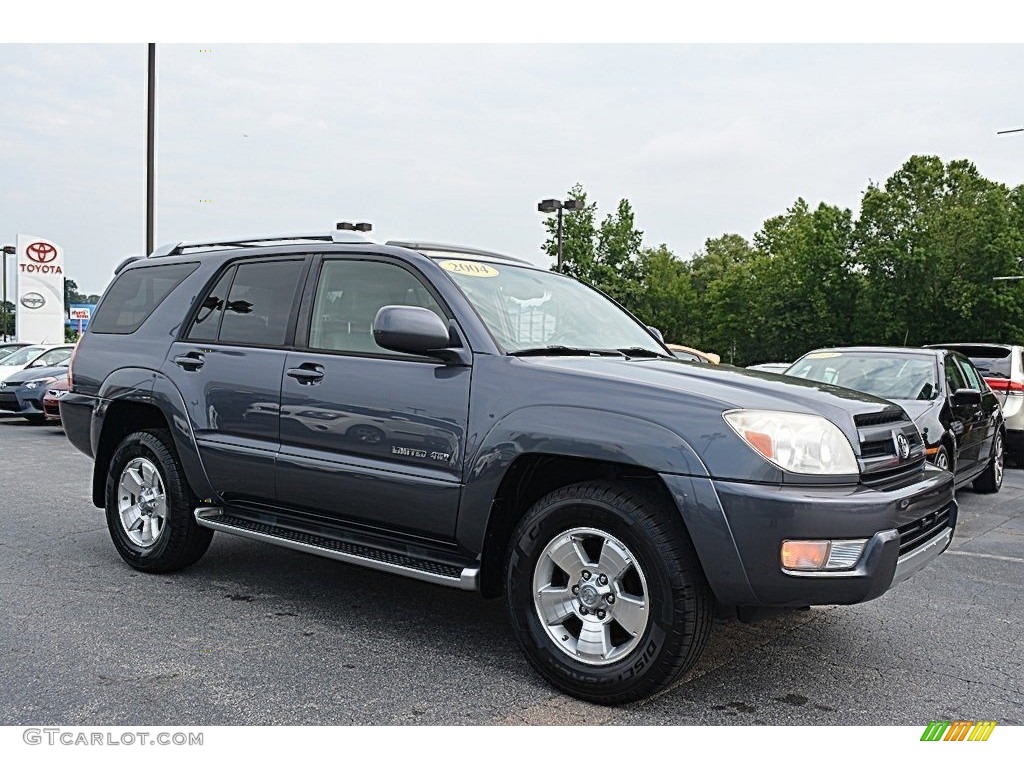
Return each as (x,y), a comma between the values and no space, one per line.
(929,243)
(810,289)
(665,299)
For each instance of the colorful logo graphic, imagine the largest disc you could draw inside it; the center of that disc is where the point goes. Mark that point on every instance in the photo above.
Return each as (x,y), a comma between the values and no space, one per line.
(958,730)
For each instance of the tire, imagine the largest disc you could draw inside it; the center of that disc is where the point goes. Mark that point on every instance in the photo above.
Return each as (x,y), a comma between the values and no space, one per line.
(991,480)
(36,419)
(665,574)
(166,543)
(942,459)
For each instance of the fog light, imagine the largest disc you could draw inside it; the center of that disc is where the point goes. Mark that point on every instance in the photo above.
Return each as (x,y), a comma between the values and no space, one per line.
(821,555)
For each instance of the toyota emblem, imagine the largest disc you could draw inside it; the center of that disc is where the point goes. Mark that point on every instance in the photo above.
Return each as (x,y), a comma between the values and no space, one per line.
(32,301)
(41,253)
(902,445)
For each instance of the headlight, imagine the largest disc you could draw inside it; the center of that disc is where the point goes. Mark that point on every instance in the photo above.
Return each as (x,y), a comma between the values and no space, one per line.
(796,442)
(36,383)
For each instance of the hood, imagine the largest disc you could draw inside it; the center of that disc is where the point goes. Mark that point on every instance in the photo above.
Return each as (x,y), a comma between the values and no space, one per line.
(917,408)
(728,387)
(30,374)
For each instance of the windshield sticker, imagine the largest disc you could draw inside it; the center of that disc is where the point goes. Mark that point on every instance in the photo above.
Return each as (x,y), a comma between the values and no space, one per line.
(469,268)
(822,355)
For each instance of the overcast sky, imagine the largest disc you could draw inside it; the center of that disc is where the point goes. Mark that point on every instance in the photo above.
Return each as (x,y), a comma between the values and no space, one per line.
(458,143)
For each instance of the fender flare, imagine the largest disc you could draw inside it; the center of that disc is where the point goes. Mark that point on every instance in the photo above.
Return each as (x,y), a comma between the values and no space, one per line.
(570,431)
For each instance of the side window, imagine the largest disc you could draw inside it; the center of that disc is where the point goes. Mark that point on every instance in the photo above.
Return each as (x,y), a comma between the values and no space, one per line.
(207,322)
(954,376)
(348,296)
(973,380)
(134,295)
(260,303)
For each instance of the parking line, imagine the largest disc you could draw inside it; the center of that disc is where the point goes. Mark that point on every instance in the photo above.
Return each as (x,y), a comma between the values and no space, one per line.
(985,556)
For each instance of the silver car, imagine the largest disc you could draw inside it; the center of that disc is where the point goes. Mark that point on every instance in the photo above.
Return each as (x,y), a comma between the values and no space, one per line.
(1003,369)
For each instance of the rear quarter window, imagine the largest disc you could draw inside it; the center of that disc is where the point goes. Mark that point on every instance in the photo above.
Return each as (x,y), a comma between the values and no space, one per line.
(134,295)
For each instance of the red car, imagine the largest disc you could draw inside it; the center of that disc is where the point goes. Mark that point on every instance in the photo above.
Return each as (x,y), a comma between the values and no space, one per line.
(51,401)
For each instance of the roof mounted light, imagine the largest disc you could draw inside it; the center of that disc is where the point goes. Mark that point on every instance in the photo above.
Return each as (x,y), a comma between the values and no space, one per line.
(348,226)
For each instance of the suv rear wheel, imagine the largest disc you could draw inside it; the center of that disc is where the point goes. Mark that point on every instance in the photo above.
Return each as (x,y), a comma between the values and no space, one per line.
(149,505)
(606,594)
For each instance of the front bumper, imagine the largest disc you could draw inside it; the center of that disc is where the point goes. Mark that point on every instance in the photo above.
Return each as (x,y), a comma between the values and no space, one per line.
(906,526)
(26,402)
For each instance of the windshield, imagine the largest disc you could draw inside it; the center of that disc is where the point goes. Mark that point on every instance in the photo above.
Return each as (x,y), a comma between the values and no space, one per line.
(890,376)
(23,356)
(528,309)
(52,358)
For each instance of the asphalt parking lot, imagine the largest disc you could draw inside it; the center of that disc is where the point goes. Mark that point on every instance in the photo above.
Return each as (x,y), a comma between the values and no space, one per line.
(257,635)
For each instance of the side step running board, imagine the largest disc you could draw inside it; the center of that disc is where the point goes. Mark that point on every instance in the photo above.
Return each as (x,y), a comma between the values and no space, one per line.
(347,552)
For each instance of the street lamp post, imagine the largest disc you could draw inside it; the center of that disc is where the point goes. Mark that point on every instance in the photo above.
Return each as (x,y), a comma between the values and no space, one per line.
(557,206)
(8,250)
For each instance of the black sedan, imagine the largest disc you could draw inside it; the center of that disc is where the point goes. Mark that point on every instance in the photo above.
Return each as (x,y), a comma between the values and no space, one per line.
(941,390)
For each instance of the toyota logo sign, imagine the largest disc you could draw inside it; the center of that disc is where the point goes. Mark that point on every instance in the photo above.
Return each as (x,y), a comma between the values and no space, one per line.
(32,301)
(902,445)
(41,253)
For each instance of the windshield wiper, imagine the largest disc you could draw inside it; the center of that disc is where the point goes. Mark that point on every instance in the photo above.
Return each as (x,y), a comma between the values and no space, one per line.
(557,349)
(640,352)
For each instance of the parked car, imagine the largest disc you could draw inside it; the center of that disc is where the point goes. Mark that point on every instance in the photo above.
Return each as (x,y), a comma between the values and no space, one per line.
(958,415)
(1003,369)
(9,348)
(525,437)
(693,355)
(51,400)
(770,367)
(22,393)
(35,356)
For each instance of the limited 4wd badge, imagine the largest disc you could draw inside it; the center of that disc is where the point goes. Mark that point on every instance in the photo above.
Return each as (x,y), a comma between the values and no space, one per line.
(469,268)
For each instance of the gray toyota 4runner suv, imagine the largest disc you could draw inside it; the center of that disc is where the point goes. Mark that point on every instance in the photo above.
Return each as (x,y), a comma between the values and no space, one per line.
(467,419)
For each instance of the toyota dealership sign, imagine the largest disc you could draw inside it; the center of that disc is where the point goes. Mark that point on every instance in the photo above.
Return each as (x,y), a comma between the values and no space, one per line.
(40,291)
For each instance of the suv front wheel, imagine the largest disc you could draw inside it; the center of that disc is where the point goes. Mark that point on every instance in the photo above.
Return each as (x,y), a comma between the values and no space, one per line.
(606,594)
(149,505)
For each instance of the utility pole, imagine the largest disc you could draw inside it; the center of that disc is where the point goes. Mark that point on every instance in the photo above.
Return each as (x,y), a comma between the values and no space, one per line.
(151,152)
(8,250)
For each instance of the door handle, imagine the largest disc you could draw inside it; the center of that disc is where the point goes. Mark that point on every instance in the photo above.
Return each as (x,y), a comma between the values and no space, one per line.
(307,373)
(193,361)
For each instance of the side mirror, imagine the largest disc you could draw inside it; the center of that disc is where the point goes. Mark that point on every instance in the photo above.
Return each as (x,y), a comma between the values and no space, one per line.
(967,397)
(413,330)
(656,333)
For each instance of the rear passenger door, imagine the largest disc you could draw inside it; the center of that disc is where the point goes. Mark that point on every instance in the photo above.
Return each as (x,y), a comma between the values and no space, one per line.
(986,418)
(228,367)
(369,435)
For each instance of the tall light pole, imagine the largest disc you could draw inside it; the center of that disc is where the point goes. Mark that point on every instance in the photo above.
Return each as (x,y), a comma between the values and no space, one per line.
(8,250)
(151,151)
(552,206)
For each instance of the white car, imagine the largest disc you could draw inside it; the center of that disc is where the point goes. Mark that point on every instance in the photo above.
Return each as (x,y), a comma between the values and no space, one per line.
(36,356)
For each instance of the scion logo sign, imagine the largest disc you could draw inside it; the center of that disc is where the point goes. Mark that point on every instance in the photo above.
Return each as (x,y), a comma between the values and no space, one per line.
(33,301)
(41,253)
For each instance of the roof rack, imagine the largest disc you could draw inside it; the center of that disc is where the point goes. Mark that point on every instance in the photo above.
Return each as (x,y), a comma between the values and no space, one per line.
(338,236)
(443,248)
